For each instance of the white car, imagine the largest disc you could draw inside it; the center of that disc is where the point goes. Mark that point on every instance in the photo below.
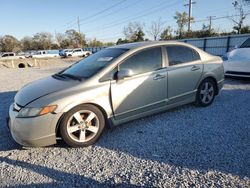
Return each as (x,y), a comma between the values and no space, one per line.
(44,54)
(77,53)
(237,62)
(11,55)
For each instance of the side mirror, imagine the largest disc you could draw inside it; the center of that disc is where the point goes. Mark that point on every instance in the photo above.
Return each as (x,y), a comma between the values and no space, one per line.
(124,73)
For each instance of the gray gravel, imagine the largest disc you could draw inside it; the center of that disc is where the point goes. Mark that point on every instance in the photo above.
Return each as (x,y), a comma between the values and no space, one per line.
(187,146)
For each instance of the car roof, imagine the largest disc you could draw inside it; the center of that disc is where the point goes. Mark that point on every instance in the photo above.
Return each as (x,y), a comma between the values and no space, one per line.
(146,44)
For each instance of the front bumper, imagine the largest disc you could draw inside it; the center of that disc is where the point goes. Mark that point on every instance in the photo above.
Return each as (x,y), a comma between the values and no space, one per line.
(35,131)
(237,74)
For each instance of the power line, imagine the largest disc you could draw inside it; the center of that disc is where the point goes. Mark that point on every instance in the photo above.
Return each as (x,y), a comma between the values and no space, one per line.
(98,13)
(104,10)
(133,18)
(112,13)
(218,18)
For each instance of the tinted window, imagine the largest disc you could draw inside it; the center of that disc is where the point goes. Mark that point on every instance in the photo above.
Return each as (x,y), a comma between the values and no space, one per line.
(94,63)
(181,54)
(4,55)
(11,54)
(145,61)
(246,44)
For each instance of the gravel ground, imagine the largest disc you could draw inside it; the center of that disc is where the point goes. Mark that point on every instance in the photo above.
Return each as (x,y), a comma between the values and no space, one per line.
(184,147)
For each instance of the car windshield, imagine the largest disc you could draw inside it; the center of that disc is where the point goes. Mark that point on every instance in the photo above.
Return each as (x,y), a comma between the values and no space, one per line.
(94,63)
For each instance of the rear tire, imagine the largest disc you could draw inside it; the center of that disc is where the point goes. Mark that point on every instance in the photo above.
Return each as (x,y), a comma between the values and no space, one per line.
(82,126)
(206,93)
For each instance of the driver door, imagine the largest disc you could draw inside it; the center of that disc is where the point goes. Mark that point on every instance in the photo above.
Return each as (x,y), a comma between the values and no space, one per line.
(145,90)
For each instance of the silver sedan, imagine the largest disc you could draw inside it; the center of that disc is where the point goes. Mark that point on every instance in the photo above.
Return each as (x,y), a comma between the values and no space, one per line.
(116,85)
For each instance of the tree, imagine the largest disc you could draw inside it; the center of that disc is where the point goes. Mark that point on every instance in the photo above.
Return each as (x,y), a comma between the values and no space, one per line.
(239,7)
(95,43)
(76,39)
(245,29)
(42,41)
(9,43)
(181,20)
(139,36)
(134,32)
(156,28)
(27,43)
(121,41)
(60,37)
(247,2)
(167,33)
(108,44)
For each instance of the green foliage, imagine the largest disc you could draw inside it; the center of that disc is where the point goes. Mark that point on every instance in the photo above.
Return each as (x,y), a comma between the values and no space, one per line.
(95,43)
(9,43)
(121,41)
(245,29)
(181,20)
(134,32)
(167,34)
(76,39)
(42,41)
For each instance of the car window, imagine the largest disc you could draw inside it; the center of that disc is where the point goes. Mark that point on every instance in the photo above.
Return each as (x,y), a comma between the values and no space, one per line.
(246,44)
(145,61)
(4,55)
(11,54)
(94,63)
(181,54)
(77,50)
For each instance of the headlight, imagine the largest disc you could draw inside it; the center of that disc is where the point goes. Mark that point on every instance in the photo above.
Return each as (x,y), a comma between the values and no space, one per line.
(32,112)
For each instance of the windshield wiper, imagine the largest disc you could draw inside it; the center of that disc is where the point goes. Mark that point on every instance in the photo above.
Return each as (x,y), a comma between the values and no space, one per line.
(68,76)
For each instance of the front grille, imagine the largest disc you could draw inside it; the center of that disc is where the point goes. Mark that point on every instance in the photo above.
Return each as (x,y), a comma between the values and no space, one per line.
(17,107)
(235,72)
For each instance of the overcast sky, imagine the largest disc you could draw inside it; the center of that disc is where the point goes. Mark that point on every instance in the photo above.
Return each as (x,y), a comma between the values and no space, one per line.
(104,19)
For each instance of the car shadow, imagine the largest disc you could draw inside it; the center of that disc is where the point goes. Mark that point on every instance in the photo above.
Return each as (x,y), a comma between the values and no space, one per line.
(59,178)
(6,142)
(190,137)
(195,138)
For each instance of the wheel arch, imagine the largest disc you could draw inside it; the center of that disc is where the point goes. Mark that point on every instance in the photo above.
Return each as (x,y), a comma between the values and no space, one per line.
(214,80)
(93,104)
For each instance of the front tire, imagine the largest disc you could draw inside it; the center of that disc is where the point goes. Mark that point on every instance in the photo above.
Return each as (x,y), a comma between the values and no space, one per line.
(206,93)
(82,126)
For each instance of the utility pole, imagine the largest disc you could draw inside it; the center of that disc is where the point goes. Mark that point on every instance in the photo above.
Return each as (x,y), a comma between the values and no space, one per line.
(79,31)
(190,4)
(210,22)
(78,23)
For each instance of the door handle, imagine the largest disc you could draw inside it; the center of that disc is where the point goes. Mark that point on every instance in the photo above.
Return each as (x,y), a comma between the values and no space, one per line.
(195,68)
(159,76)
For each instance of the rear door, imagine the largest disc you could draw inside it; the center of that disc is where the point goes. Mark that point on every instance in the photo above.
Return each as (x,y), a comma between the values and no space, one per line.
(145,90)
(184,72)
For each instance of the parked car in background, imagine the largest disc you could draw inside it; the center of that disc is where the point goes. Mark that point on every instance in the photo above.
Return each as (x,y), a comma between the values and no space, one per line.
(111,87)
(44,54)
(62,53)
(237,61)
(29,54)
(11,55)
(77,53)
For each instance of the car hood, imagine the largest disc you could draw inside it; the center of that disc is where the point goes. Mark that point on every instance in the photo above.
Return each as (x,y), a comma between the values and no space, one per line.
(239,54)
(40,88)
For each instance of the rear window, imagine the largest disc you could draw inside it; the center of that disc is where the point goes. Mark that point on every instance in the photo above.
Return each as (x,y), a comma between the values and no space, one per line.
(178,54)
